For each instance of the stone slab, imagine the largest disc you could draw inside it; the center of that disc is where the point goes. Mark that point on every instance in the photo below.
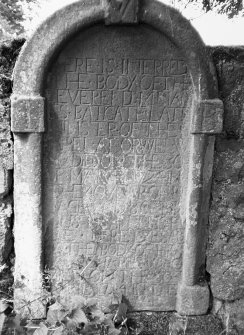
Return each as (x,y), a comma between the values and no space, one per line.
(30,75)
(113,164)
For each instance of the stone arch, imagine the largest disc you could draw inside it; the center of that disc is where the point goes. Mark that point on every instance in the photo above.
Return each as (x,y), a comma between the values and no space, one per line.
(28,125)
(52,34)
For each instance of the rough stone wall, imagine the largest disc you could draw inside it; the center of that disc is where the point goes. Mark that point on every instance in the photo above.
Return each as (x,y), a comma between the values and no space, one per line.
(8,54)
(225,254)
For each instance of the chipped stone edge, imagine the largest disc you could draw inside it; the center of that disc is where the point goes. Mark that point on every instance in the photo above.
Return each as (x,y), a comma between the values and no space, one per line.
(29,76)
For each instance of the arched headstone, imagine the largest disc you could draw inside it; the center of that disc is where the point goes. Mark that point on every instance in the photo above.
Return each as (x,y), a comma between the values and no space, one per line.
(114,113)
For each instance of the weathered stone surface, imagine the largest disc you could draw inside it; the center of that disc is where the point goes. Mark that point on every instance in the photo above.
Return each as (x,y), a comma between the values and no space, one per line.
(28,224)
(122,12)
(107,197)
(6,143)
(193,300)
(225,251)
(229,172)
(226,241)
(34,59)
(231,314)
(27,114)
(229,209)
(225,256)
(6,239)
(5,181)
(8,54)
(112,157)
(230,68)
(209,118)
(6,282)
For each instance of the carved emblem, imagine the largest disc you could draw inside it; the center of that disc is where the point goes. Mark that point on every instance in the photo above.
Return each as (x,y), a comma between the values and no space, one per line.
(122,12)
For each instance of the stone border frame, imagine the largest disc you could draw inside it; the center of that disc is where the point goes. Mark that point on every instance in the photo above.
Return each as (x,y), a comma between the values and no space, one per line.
(28,125)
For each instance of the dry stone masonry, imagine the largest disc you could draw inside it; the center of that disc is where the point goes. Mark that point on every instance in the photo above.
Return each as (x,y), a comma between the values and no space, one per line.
(8,54)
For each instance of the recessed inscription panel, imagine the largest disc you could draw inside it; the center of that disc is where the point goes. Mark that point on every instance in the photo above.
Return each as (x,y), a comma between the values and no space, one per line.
(117,98)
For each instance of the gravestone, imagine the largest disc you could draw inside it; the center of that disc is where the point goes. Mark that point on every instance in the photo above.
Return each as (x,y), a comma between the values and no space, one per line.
(118,183)
(113,156)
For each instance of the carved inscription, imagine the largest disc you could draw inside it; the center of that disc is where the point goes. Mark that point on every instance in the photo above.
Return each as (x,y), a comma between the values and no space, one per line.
(112,166)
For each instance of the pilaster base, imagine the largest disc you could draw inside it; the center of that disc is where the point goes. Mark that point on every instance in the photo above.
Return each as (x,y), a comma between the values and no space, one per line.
(192,300)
